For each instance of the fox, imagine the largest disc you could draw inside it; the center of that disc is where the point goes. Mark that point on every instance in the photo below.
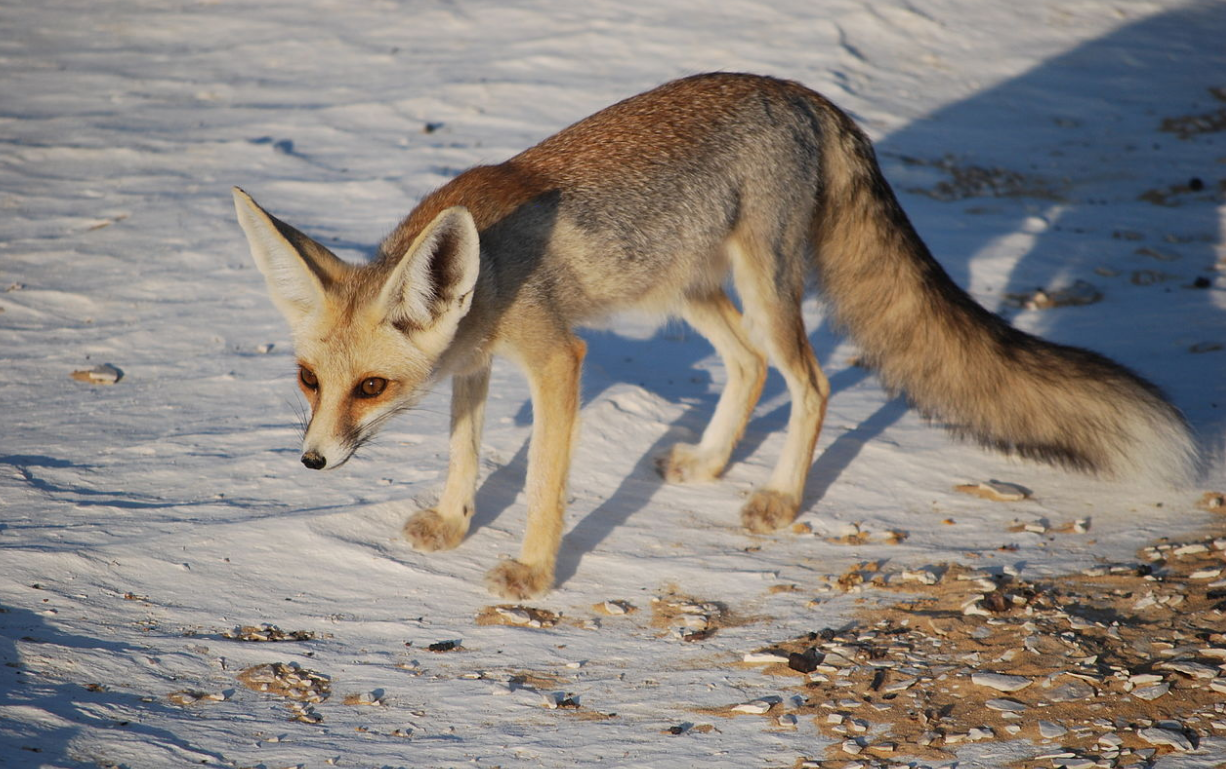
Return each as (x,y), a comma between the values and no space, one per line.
(665,202)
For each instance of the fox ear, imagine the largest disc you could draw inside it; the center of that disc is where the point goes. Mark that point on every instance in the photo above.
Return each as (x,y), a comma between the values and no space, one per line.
(298,270)
(435,277)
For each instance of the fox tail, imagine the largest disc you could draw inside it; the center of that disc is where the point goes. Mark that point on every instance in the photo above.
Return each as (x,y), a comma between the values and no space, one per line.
(961,365)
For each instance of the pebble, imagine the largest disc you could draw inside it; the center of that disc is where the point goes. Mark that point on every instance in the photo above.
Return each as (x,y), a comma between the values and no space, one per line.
(769,657)
(921,576)
(1158,736)
(1205,574)
(995,491)
(1072,692)
(1193,669)
(615,608)
(852,747)
(753,707)
(104,374)
(513,615)
(1000,681)
(1153,692)
(1051,730)
(1006,705)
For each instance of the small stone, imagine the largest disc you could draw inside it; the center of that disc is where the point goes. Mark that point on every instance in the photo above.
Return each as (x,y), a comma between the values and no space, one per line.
(104,374)
(1194,548)
(1111,739)
(1144,679)
(1000,681)
(1051,730)
(1072,692)
(786,721)
(614,608)
(1158,736)
(1151,692)
(513,615)
(901,685)
(1006,705)
(921,576)
(979,733)
(1205,574)
(995,491)
(753,707)
(852,747)
(1192,669)
(768,657)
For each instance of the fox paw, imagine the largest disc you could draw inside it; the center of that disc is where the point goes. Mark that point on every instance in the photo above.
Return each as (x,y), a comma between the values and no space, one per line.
(768,511)
(512,579)
(428,531)
(684,463)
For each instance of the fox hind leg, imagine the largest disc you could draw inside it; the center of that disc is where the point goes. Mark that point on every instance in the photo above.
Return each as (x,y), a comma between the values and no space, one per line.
(772,293)
(444,527)
(716,318)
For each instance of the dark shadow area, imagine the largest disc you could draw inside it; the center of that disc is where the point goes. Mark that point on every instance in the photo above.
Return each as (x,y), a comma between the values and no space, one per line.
(57,709)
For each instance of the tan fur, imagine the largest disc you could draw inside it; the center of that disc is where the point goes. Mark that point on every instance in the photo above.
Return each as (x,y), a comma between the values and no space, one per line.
(652,204)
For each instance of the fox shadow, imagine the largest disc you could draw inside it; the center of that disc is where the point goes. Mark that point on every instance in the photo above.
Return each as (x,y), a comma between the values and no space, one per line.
(1082,133)
(57,710)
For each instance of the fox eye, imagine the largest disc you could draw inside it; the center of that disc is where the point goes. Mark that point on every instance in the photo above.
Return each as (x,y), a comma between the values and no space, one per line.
(308,378)
(372,387)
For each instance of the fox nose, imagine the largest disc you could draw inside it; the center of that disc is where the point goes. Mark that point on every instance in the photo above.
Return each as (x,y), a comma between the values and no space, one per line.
(314,460)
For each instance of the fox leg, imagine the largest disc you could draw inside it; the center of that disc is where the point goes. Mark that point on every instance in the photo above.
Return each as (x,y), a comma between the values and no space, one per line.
(772,296)
(715,317)
(444,527)
(553,367)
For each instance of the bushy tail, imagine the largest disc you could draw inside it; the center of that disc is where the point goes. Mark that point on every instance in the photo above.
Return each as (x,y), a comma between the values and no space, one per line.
(964,366)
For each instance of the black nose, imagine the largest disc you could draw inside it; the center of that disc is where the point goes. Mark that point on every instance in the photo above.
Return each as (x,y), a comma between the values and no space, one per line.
(314,460)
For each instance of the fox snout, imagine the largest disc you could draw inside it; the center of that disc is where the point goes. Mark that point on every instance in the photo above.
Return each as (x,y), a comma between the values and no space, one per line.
(314,460)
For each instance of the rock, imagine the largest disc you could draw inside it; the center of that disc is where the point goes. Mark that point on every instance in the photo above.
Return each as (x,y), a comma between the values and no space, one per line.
(104,374)
(768,657)
(753,707)
(1000,682)
(1191,669)
(1158,736)
(1151,692)
(1072,692)
(513,615)
(1006,705)
(996,491)
(1051,730)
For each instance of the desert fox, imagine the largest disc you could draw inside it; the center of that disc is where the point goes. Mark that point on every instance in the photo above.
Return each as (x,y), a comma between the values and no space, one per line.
(652,204)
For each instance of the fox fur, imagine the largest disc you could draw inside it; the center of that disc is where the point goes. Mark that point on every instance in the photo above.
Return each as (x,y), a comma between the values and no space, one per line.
(654,203)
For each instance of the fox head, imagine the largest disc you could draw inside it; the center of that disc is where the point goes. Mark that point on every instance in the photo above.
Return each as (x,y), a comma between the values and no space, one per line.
(368,338)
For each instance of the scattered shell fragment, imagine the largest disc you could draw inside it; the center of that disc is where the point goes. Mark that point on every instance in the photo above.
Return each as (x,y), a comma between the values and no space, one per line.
(290,681)
(103,374)
(996,491)
(191,697)
(262,633)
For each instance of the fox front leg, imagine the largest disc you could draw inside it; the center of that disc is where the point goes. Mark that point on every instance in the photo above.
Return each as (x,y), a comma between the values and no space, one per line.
(553,375)
(444,527)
